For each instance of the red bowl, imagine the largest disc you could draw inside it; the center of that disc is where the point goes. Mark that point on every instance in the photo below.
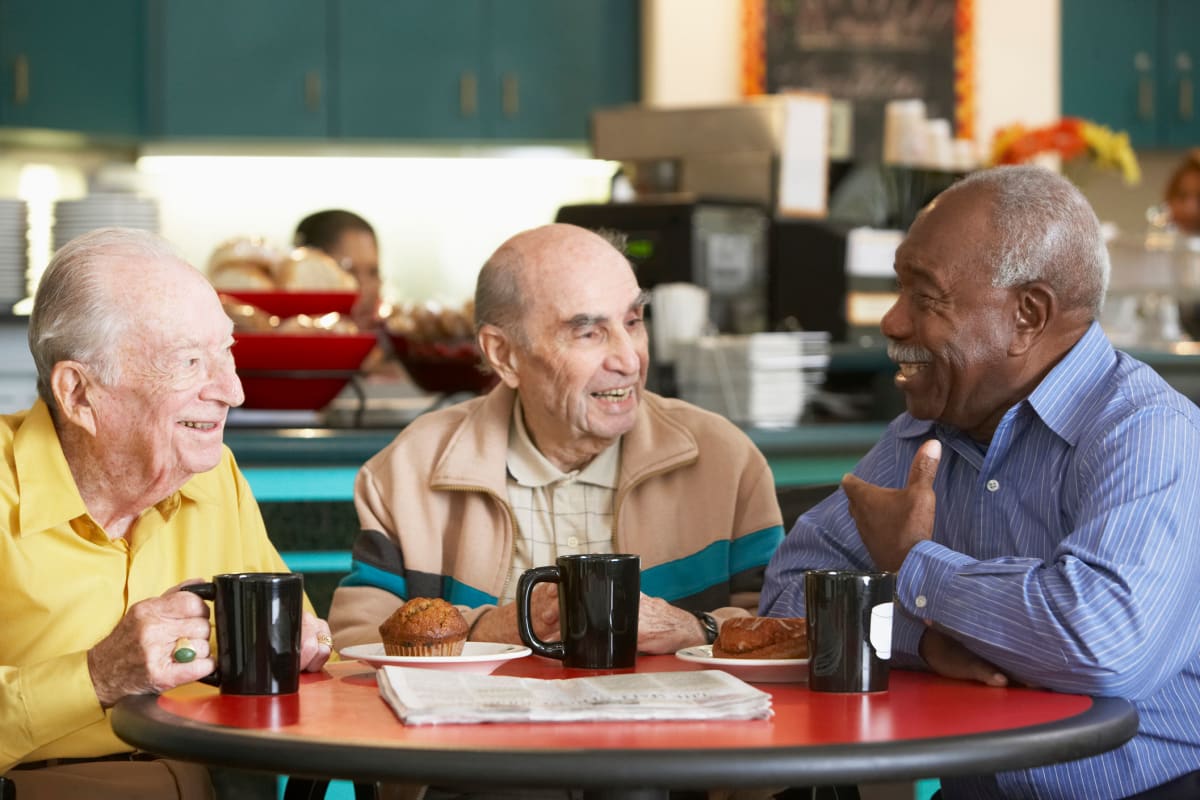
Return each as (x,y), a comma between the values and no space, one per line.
(443,366)
(289,304)
(297,370)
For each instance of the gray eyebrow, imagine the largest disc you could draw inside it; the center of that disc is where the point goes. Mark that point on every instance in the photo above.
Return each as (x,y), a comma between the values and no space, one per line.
(586,320)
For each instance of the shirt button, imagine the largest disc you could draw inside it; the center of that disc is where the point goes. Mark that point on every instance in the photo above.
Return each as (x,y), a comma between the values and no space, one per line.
(993,485)
(572,541)
(921,602)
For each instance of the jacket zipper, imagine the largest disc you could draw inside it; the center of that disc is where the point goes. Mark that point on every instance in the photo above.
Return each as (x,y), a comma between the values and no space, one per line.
(512,519)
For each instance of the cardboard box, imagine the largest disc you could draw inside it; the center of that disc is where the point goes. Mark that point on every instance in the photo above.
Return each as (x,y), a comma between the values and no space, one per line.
(638,133)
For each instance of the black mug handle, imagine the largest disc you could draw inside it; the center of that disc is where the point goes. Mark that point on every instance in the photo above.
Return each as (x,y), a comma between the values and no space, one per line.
(525,585)
(207,591)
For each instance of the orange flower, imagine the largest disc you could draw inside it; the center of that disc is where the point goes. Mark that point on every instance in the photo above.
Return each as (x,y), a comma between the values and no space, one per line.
(1070,137)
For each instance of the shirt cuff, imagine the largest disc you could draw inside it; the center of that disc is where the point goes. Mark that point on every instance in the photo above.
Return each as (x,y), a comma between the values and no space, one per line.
(921,585)
(59,697)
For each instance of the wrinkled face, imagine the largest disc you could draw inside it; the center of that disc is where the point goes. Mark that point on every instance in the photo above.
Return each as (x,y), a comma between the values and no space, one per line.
(165,417)
(949,330)
(358,252)
(1185,203)
(582,373)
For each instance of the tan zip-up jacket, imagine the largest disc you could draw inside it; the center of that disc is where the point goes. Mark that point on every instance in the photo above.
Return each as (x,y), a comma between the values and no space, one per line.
(695,499)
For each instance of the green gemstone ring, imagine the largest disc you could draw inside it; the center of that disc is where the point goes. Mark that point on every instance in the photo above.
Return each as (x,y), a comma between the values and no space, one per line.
(183,652)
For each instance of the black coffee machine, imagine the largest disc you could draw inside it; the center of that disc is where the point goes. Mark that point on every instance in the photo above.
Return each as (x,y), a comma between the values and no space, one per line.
(720,246)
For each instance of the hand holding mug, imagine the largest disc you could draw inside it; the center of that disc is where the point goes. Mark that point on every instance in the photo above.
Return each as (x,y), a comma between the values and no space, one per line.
(137,657)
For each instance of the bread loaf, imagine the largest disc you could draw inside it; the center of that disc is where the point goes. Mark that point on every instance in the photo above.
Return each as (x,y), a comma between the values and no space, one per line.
(309,269)
(762,637)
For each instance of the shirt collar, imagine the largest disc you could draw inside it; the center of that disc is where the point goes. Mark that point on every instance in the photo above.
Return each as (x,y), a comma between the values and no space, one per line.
(1065,398)
(529,467)
(49,496)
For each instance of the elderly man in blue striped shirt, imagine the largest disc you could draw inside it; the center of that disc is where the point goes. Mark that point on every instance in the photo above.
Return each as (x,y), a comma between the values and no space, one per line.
(1040,499)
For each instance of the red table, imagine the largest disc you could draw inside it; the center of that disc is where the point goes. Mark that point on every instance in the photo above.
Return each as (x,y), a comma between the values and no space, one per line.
(338,726)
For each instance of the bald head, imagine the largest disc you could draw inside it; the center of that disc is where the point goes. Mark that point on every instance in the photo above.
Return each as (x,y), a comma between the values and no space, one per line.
(540,257)
(96,290)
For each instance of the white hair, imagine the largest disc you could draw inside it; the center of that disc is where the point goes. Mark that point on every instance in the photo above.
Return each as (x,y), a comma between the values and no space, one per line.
(75,315)
(1045,229)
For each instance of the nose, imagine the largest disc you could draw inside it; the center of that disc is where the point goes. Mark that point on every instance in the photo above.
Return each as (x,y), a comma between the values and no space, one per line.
(625,351)
(896,323)
(224,385)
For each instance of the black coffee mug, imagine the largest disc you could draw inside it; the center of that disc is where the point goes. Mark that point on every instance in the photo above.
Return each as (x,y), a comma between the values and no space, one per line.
(849,629)
(598,598)
(258,619)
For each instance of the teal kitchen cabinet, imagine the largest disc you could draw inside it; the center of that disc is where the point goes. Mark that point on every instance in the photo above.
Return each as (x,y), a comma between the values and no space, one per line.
(481,69)
(72,65)
(1130,64)
(230,68)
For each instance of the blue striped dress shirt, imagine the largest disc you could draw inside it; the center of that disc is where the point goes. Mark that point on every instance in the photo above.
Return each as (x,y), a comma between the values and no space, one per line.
(1066,552)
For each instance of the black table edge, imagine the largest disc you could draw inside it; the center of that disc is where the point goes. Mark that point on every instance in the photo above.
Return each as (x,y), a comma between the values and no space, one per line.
(1108,723)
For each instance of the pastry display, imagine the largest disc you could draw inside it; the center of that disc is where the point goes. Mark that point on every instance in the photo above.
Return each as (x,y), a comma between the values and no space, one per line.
(762,637)
(424,626)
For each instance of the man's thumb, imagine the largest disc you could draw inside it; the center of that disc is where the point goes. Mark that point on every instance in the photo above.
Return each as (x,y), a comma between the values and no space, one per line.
(925,464)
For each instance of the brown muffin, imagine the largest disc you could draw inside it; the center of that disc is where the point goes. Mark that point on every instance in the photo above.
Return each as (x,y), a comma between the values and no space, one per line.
(424,626)
(762,637)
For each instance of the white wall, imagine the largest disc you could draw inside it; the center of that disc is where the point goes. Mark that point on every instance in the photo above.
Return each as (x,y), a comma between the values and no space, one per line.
(691,52)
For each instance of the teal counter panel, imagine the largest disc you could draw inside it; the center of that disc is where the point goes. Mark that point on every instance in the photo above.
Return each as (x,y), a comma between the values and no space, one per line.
(290,484)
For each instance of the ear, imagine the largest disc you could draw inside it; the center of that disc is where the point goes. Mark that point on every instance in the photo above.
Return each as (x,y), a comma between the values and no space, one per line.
(500,353)
(70,384)
(1036,305)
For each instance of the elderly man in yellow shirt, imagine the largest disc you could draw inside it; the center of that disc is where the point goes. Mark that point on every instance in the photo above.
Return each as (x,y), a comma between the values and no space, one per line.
(115,487)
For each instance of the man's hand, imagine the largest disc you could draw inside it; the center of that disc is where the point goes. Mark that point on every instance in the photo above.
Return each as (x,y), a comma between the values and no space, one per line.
(664,628)
(948,657)
(138,656)
(316,643)
(500,623)
(891,521)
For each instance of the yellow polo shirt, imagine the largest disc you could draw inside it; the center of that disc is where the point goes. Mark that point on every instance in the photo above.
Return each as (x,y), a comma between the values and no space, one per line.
(64,585)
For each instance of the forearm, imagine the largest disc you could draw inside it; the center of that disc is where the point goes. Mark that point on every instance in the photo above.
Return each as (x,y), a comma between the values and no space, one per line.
(1062,626)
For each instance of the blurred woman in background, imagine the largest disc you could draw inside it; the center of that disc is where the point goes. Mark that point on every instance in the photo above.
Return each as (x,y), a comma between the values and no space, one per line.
(1183,195)
(351,241)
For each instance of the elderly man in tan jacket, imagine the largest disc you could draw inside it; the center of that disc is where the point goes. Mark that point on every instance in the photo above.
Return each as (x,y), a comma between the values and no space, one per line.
(569,454)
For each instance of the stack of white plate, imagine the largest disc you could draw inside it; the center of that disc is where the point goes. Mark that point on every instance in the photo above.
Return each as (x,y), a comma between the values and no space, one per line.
(763,379)
(14,251)
(103,210)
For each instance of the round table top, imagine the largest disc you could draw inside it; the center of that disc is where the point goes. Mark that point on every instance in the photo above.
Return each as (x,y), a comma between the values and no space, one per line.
(338,726)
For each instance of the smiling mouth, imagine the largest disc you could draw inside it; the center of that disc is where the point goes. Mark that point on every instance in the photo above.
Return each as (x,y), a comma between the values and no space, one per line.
(200,426)
(910,368)
(614,395)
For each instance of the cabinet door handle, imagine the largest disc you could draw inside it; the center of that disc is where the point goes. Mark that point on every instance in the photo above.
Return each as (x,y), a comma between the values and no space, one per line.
(468,94)
(312,90)
(1183,62)
(511,95)
(20,80)
(1141,62)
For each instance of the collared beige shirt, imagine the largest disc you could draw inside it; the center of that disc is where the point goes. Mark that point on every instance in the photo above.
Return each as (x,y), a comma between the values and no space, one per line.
(558,513)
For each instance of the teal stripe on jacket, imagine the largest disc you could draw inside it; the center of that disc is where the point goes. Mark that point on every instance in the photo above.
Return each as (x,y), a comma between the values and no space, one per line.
(363,574)
(712,566)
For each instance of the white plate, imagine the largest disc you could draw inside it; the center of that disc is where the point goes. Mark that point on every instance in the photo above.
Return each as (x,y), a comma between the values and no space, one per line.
(751,670)
(478,657)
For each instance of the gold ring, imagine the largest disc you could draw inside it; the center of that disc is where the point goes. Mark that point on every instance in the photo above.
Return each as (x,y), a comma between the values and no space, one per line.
(325,639)
(184,652)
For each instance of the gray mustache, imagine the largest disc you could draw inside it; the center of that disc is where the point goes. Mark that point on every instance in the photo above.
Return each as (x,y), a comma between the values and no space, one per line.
(907,353)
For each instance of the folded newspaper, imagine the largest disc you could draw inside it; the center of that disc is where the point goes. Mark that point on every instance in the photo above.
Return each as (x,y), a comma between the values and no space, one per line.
(432,697)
